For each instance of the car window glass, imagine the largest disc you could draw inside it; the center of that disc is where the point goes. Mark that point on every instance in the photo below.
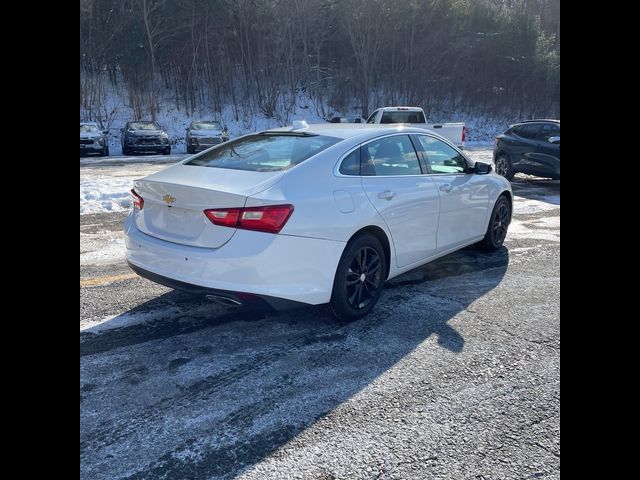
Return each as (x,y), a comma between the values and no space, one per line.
(264,152)
(390,156)
(441,157)
(528,131)
(548,131)
(351,163)
(372,117)
(402,117)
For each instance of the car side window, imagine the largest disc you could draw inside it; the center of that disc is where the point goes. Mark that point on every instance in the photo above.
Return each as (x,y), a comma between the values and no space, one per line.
(548,131)
(528,131)
(351,163)
(372,117)
(441,157)
(390,156)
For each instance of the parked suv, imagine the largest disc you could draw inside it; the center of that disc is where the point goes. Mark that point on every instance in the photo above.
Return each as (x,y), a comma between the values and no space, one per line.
(143,136)
(93,139)
(202,134)
(531,147)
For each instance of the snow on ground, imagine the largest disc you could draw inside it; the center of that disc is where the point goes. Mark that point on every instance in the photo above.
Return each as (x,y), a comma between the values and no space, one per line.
(107,188)
(125,320)
(101,248)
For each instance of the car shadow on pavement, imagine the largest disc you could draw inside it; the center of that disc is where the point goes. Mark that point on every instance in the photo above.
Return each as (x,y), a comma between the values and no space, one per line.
(207,392)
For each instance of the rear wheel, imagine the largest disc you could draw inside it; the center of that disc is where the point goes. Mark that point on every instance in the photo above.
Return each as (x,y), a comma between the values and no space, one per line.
(359,279)
(504,167)
(498,225)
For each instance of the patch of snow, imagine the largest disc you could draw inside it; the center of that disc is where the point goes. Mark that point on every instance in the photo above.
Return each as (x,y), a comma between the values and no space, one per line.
(125,320)
(522,230)
(100,249)
(525,206)
(108,188)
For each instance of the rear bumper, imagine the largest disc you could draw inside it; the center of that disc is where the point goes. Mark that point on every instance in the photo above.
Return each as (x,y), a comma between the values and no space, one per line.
(273,267)
(262,302)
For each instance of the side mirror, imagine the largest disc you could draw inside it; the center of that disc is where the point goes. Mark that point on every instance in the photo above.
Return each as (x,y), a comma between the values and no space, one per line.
(482,168)
(554,139)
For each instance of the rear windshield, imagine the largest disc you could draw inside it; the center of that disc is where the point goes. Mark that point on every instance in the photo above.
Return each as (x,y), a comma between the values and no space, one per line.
(403,117)
(264,152)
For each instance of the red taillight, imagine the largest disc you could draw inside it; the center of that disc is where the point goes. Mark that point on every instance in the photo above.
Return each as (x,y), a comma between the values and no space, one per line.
(268,219)
(138,201)
(464,133)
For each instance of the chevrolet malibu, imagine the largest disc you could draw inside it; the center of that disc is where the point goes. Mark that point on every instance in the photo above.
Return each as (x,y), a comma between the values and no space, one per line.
(312,214)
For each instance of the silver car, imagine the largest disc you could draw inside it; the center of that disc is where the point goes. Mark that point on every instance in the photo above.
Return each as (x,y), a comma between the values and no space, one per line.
(202,134)
(93,139)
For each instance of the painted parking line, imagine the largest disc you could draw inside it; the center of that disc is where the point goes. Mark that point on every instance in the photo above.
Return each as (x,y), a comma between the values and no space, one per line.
(95,281)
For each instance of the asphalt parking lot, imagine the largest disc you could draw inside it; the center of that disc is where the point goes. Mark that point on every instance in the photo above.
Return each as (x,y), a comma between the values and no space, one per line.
(455,374)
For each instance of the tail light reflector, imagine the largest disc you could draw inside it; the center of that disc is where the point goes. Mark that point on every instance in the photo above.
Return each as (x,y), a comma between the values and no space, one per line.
(268,219)
(138,201)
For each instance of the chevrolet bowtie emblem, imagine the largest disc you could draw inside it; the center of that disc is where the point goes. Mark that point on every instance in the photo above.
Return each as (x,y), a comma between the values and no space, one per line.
(169,199)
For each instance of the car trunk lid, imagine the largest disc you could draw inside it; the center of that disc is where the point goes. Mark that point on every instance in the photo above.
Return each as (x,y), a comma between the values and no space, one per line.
(175,200)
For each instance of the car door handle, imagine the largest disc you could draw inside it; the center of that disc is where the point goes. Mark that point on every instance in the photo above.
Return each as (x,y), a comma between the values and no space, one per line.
(447,187)
(386,195)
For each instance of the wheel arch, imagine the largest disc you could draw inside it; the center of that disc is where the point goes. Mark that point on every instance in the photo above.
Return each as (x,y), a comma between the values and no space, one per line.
(381,235)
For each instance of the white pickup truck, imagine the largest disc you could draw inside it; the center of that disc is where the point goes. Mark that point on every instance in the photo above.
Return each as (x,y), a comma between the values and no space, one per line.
(454,132)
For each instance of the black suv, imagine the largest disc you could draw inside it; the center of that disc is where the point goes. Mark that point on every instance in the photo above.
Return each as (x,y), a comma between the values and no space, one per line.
(143,136)
(531,147)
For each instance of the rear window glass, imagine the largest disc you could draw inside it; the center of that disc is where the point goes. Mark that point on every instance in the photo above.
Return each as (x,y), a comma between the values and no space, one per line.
(264,152)
(403,117)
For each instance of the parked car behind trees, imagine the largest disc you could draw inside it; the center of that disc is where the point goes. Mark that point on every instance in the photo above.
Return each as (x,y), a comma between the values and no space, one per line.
(143,136)
(93,139)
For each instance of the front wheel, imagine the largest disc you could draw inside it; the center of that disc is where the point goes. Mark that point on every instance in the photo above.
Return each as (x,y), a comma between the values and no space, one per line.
(498,225)
(167,151)
(105,151)
(359,279)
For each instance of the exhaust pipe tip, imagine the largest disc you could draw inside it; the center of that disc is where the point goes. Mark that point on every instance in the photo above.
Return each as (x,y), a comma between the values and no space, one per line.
(222,300)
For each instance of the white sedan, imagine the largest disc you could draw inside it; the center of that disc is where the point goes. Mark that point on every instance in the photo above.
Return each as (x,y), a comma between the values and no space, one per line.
(312,214)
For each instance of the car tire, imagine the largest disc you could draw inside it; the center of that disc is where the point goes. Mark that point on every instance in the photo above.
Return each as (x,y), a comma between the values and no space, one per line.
(190,151)
(354,296)
(167,151)
(504,167)
(105,151)
(125,150)
(498,225)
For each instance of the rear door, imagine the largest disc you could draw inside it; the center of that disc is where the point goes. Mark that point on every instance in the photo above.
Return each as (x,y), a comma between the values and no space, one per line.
(406,199)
